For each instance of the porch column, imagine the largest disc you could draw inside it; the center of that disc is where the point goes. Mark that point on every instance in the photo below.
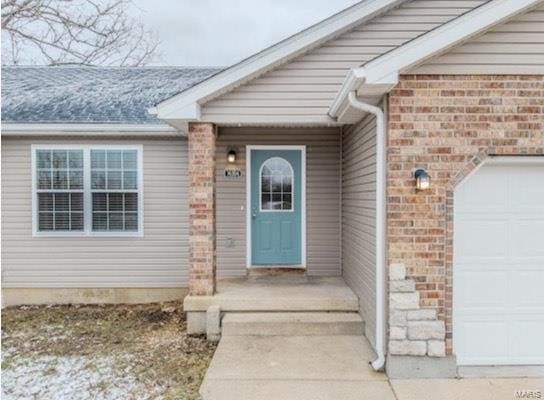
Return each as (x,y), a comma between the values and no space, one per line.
(202,264)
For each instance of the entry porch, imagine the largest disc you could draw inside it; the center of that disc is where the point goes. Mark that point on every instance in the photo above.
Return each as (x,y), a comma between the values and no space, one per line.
(310,301)
(299,199)
(239,216)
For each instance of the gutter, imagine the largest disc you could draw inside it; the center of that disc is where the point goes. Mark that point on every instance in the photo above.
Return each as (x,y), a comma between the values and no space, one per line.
(84,129)
(354,79)
(378,363)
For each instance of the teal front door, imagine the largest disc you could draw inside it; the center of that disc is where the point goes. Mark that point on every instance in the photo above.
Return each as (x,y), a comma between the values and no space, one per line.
(276,207)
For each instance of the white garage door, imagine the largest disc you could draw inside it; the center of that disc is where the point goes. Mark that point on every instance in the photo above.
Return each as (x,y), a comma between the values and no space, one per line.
(498,275)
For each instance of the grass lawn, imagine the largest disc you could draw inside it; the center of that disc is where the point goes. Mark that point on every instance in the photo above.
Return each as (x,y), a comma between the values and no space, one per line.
(101,352)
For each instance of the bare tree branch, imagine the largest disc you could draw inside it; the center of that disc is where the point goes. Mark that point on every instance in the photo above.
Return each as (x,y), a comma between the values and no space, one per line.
(85,32)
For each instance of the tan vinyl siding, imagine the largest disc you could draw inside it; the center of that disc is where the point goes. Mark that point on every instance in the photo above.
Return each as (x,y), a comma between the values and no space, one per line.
(359,217)
(322,196)
(303,89)
(158,259)
(515,47)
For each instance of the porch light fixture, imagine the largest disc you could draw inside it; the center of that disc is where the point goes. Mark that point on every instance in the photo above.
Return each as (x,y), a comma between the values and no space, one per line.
(423,180)
(231,157)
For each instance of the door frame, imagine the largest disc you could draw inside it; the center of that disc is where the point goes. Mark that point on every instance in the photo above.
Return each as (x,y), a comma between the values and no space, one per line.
(302,149)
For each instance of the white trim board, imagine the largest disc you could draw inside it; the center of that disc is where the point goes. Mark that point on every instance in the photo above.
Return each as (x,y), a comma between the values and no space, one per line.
(186,105)
(53,129)
(302,149)
(87,191)
(379,76)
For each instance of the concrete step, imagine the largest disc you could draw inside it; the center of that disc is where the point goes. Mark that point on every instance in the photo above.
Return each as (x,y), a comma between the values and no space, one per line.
(315,294)
(292,324)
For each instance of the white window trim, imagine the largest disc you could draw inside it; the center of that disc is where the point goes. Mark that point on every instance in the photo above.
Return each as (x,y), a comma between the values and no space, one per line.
(302,149)
(87,192)
(292,187)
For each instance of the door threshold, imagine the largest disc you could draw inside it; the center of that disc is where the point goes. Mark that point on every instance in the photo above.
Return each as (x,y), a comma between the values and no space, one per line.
(266,270)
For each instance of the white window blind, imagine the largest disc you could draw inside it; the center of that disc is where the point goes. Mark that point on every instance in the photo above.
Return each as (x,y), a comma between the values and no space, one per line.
(88,190)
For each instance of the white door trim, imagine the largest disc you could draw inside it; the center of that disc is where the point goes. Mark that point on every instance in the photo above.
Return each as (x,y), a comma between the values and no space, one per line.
(302,149)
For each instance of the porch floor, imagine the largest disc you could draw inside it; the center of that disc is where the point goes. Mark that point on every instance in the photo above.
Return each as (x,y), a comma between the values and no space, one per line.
(278,294)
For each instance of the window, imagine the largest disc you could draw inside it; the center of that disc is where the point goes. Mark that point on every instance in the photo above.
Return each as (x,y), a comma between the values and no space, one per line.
(60,190)
(87,190)
(114,187)
(276,185)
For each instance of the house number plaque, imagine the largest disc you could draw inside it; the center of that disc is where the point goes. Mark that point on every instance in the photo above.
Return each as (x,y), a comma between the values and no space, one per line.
(233,173)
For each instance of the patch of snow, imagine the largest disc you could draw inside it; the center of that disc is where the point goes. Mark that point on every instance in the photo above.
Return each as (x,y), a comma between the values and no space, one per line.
(71,378)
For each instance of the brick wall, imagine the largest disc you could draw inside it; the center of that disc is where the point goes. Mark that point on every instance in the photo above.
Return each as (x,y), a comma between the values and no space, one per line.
(448,125)
(201,170)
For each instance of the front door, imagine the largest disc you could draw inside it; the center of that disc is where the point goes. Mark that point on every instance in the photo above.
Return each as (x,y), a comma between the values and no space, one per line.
(276,207)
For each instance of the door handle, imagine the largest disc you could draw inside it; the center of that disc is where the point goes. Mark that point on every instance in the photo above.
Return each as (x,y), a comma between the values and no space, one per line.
(254,213)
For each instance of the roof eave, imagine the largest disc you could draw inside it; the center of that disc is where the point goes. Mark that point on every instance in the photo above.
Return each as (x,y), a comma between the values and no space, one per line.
(110,129)
(368,91)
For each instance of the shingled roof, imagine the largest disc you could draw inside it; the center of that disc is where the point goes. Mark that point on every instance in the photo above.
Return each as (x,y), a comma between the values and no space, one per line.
(77,94)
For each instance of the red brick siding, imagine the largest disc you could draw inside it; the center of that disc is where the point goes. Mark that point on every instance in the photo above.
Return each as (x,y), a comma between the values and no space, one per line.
(448,125)
(201,170)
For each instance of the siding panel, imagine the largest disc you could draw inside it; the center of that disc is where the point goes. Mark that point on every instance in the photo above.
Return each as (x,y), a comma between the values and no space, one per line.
(289,93)
(322,197)
(159,259)
(359,217)
(514,47)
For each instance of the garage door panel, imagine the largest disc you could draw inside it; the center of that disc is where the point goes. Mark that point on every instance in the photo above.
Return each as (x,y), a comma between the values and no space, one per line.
(526,336)
(526,192)
(482,289)
(481,238)
(527,290)
(490,190)
(474,341)
(528,238)
(498,272)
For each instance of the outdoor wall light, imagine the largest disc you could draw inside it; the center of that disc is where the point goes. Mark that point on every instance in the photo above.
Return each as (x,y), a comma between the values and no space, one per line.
(423,180)
(231,157)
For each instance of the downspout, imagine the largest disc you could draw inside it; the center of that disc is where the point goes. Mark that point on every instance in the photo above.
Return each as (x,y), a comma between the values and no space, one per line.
(378,363)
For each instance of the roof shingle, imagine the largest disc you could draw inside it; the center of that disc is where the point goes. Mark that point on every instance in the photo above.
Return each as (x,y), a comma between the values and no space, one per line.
(75,94)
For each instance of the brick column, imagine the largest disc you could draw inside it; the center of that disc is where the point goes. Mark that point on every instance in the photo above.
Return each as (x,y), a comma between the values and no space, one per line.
(201,172)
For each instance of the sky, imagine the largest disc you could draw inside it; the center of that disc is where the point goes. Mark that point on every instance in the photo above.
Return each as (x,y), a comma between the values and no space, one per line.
(222,32)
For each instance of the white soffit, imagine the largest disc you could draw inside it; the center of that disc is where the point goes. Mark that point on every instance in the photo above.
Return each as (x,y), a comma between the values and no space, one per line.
(379,76)
(186,105)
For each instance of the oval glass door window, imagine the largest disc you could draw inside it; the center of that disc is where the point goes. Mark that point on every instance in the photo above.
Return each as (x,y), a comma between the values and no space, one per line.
(276,185)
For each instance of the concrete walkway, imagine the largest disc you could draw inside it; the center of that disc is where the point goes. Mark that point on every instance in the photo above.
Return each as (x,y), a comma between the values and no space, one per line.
(294,368)
(331,368)
(467,388)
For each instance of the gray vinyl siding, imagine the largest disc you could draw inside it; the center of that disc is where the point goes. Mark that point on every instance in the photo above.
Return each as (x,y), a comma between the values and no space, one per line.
(515,47)
(322,196)
(302,90)
(158,259)
(359,217)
